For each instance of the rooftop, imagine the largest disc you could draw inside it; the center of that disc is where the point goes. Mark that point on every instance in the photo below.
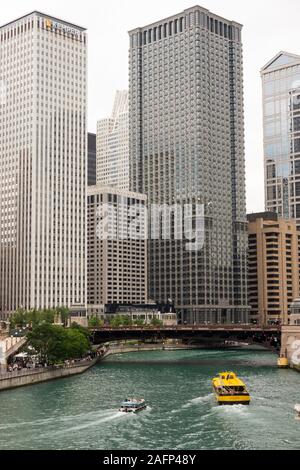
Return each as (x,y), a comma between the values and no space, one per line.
(273,216)
(195,7)
(281,60)
(44,15)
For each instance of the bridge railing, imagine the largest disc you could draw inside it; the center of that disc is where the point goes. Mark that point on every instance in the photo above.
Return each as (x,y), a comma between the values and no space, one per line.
(211,327)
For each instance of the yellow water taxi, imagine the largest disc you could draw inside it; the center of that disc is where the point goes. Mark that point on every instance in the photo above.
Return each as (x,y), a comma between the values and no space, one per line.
(229,390)
(283,363)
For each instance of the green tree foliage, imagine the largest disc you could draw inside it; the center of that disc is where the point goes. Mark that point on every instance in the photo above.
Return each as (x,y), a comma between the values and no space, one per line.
(75,343)
(18,319)
(84,331)
(32,318)
(156,322)
(55,344)
(120,320)
(64,314)
(95,322)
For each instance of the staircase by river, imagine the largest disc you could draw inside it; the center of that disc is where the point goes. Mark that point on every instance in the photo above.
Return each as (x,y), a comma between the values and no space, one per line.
(9,346)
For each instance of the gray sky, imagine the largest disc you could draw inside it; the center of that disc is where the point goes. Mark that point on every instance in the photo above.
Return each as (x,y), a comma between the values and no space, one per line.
(269,27)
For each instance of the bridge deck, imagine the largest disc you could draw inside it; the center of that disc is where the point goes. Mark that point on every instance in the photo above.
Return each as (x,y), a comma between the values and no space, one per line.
(192,328)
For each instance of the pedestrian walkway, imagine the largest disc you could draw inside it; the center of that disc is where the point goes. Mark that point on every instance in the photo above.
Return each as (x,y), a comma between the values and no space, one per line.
(8,347)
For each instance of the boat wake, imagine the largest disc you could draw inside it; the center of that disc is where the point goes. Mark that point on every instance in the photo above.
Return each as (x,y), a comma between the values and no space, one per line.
(198,400)
(232,409)
(96,420)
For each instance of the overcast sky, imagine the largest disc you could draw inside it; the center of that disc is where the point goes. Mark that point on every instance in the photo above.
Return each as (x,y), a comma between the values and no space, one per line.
(269,27)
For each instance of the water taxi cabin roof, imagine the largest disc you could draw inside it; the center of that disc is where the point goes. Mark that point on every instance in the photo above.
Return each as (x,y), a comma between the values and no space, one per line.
(229,378)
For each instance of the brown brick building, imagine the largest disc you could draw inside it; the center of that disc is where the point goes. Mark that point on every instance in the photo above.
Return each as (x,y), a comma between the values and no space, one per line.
(273,267)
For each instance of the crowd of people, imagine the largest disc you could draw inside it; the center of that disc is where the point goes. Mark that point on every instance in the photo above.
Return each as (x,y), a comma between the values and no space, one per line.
(21,365)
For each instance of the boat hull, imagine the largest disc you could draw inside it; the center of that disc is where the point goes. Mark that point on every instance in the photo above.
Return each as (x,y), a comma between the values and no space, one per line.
(133,410)
(222,401)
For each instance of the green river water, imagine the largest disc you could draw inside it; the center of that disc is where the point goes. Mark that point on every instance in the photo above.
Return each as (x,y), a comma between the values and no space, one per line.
(82,412)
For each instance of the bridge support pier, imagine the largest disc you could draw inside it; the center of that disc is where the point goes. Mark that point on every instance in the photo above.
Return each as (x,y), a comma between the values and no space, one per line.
(290,345)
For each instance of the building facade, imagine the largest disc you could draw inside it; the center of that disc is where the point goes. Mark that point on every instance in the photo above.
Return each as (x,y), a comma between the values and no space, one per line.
(113,145)
(186,118)
(274,251)
(117,248)
(92,158)
(281,113)
(138,314)
(42,163)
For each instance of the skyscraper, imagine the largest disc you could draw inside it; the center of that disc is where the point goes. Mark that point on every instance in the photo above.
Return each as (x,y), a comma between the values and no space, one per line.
(281,112)
(117,257)
(274,247)
(43,142)
(92,158)
(186,120)
(113,145)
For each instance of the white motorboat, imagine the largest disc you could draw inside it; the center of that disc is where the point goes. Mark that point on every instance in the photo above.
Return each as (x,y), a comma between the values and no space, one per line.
(132,405)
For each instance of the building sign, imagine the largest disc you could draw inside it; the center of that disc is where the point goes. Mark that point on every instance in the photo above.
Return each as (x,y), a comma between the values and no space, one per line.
(56,26)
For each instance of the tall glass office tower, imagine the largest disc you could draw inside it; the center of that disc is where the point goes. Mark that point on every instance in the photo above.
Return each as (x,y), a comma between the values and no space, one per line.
(187,147)
(281,112)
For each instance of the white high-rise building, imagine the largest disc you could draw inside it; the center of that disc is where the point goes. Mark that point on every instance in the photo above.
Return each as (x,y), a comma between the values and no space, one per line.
(113,145)
(43,142)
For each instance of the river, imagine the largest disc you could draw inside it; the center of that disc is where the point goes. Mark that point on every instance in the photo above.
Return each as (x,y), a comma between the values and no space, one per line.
(82,412)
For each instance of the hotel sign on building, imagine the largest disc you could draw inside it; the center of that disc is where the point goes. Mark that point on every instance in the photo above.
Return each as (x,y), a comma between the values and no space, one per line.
(51,25)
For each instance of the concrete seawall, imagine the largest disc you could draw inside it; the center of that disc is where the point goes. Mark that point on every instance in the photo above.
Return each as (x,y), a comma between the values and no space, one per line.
(159,347)
(295,367)
(21,379)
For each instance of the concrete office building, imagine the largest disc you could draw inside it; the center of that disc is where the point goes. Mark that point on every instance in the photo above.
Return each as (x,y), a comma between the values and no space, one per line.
(117,248)
(273,277)
(281,113)
(92,157)
(113,145)
(186,118)
(42,163)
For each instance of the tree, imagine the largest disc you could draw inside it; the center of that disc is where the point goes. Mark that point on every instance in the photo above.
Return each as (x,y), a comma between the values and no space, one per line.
(22,318)
(84,331)
(55,344)
(156,322)
(75,344)
(120,320)
(95,322)
(64,314)
(18,319)
(37,317)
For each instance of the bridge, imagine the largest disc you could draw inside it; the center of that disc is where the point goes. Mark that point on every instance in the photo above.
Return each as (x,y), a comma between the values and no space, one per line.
(206,333)
(8,347)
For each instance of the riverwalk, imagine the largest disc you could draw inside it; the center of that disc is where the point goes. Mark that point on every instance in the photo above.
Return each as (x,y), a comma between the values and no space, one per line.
(24,377)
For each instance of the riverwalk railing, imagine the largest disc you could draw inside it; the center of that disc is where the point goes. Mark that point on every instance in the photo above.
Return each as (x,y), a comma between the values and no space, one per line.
(40,370)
